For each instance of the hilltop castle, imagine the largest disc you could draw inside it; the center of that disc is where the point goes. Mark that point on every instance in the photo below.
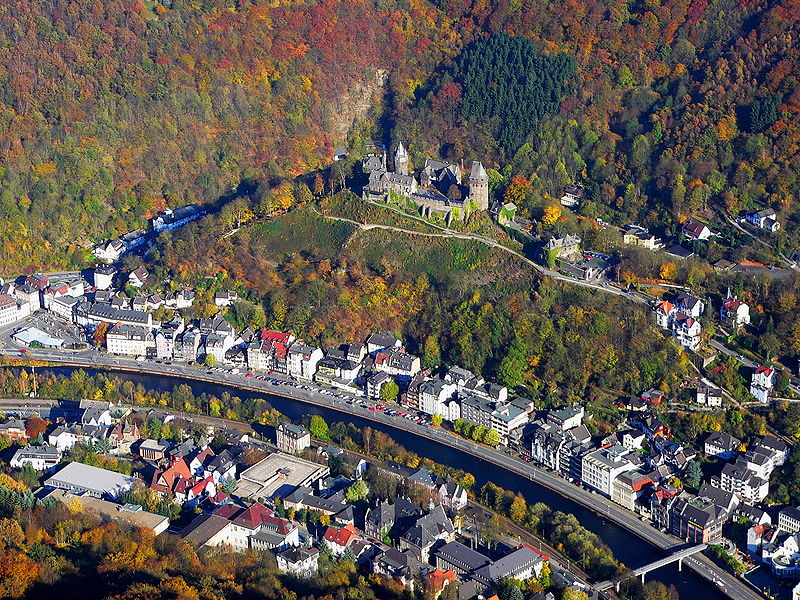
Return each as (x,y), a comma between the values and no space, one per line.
(437,192)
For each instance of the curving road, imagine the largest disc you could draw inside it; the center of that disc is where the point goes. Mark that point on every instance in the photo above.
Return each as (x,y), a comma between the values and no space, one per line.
(734,587)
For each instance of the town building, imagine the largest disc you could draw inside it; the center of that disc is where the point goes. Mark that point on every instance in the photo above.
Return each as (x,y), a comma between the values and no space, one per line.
(130,340)
(374,382)
(721,445)
(111,512)
(91,481)
(708,396)
(381,342)
(277,475)
(686,330)
(299,561)
(789,519)
(766,219)
(503,417)
(563,247)
(292,438)
(694,230)
(302,360)
(40,458)
(103,276)
(635,235)
(629,487)
(437,397)
(762,383)
(12,310)
(738,478)
(172,219)
(734,313)
(601,467)
(397,363)
(696,519)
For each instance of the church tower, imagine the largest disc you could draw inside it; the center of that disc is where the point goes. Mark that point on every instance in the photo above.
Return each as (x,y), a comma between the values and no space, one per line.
(479,185)
(401,160)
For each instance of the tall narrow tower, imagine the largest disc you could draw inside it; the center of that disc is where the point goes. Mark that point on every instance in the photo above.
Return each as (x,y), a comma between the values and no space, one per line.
(479,185)
(400,160)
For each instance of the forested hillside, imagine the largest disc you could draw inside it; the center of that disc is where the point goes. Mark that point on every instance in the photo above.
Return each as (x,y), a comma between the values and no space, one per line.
(110,110)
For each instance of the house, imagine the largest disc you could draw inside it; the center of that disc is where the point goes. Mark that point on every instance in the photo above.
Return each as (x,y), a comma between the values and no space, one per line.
(138,277)
(782,555)
(337,372)
(92,481)
(153,450)
(766,219)
(340,539)
(708,396)
(437,580)
(299,561)
(225,298)
(172,219)
(573,194)
(400,565)
(789,519)
(302,360)
(679,252)
(130,340)
(635,235)
(217,345)
(694,230)
(381,342)
(374,382)
(14,430)
(722,445)
(270,351)
(452,495)
(587,267)
(690,305)
(123,436)
(686,330)
(167,337)
(292,438)
(104,276)
(436,397)
(734,313)
(40,458)
(397,363)
(664,312)
(762,383)
(563,247)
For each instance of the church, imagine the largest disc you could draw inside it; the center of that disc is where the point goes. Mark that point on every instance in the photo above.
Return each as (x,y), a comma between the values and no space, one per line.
(438,191)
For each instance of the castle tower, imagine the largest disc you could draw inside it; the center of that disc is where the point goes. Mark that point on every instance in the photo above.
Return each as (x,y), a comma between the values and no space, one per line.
(401,160)
(479,185)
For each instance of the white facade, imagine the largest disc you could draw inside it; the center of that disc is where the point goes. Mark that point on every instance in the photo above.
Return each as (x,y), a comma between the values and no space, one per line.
(762,383)
(686,330)
(302,360)
(600,468)
(39,458)
(435,396)
(12,310)
(129,340)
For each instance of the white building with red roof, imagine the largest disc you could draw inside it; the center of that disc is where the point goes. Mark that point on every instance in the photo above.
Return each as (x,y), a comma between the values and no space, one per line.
(340,539)
(664,312)
(762,383)
(734,313)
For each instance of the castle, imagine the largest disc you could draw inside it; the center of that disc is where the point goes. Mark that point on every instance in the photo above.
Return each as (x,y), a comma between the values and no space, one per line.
(437,192)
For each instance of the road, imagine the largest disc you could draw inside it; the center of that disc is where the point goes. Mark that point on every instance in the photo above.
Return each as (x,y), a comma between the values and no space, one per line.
(734,587)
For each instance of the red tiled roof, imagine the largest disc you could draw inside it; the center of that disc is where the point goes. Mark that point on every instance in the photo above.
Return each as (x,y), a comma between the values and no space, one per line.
(341,537)
(252,516)
(665,306)
(274,336)
(764,369)
(438,579)
(229,511)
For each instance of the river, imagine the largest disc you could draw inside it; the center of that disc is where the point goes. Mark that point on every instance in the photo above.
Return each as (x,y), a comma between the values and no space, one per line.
(628,548)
